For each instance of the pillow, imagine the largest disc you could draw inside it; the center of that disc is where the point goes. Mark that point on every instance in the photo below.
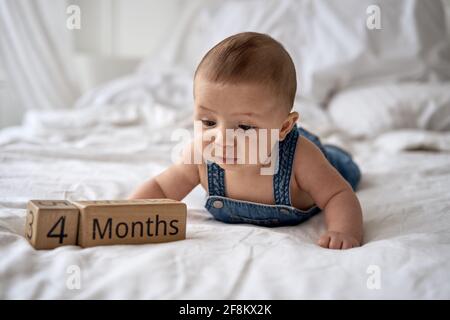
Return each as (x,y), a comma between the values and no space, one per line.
(368,111)
(413,140)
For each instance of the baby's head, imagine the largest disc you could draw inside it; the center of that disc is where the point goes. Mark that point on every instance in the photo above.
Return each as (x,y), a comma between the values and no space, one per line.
(246,81)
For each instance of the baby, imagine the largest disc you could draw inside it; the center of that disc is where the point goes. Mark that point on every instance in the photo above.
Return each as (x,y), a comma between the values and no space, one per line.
(256,164)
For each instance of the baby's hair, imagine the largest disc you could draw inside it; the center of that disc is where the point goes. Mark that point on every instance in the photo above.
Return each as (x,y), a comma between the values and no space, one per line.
(251,57)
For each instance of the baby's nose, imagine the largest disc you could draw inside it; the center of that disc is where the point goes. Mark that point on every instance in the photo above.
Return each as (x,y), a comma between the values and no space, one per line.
(222,141)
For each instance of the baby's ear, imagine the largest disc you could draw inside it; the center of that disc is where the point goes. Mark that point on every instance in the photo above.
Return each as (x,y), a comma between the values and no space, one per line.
(288,124)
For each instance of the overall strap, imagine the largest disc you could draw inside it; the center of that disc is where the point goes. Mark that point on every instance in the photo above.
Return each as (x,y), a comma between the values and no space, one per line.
(216,179)
(282,178)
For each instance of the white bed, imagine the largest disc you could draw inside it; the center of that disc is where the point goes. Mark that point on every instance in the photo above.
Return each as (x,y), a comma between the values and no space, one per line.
(103,152)
(119,135)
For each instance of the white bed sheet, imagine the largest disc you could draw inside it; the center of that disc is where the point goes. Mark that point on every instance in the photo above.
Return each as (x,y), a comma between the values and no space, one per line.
(404,195)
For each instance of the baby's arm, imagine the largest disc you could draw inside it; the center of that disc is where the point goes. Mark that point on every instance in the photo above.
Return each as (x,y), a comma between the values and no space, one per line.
(174,183)
(332,193)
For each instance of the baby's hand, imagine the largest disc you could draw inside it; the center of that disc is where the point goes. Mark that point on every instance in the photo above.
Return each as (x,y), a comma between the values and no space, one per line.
(338,240)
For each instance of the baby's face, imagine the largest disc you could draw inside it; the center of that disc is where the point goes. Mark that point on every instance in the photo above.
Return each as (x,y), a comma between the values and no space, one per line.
(246,109)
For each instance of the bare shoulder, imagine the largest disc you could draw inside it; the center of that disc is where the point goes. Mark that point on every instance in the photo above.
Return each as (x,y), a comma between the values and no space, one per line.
(307,157)
(314,174)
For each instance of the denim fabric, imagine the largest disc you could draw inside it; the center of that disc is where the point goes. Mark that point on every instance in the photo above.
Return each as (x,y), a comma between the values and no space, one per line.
(282,212)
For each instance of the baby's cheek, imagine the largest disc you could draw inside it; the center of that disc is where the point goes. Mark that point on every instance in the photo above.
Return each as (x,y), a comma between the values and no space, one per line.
(254,152)
(207,150)
(266,147)
(199,144)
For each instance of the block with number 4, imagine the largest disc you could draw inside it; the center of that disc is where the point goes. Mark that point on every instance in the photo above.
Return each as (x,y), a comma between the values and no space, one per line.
(51,223)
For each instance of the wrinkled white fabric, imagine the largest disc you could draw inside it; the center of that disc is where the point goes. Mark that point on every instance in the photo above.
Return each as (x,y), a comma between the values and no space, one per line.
(404,195)
(120,135)
(328,40)
(35,51)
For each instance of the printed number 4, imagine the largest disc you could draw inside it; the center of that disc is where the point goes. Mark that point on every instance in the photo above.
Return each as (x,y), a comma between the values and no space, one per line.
(61,235)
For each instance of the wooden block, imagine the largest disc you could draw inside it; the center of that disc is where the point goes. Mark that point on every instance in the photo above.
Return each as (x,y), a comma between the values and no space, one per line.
(51,223)
(130,221)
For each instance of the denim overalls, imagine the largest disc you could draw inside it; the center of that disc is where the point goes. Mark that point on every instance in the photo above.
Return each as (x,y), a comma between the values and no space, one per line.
(282,212)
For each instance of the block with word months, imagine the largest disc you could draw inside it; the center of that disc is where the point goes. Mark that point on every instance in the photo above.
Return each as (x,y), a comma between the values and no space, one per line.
(51,223)
(130,221)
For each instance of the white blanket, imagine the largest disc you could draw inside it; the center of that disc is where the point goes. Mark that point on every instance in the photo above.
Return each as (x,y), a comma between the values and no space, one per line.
(105,151)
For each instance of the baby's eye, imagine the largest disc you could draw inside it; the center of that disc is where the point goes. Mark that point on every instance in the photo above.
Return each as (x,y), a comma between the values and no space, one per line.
(246,127)
(208,123)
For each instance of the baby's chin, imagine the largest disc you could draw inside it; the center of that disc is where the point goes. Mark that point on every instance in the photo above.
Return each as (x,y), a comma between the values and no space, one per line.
(233,164)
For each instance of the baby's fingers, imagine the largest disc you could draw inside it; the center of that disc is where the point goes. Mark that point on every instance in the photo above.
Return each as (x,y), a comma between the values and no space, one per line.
(355,243)
(324,241)
(347,244)
(335,243)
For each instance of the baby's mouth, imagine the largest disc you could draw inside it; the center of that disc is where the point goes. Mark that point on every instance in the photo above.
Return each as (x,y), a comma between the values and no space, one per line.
(226,160)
